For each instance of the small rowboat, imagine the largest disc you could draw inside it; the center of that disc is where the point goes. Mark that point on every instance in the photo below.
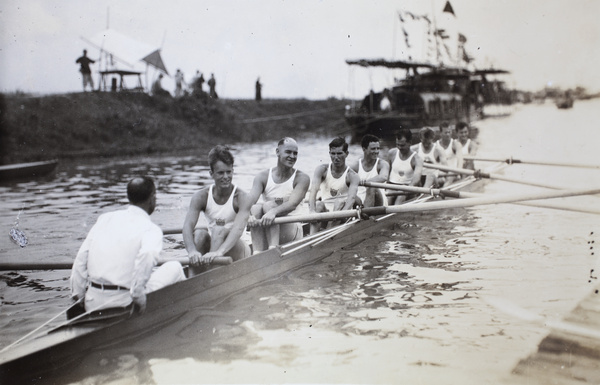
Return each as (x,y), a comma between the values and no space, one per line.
(72,340)
(26,170)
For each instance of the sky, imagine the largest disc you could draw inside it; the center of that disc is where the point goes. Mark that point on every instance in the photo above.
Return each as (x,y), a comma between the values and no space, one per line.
(297,48)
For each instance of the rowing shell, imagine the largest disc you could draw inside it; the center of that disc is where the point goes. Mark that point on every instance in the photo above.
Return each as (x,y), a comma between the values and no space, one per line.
(71,341)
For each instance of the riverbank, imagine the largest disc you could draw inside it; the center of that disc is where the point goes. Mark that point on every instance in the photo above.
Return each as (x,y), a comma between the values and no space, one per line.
(121,124)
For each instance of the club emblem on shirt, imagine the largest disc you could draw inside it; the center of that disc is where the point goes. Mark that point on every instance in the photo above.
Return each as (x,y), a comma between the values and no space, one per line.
(220,222)
(279,200)
(333,192)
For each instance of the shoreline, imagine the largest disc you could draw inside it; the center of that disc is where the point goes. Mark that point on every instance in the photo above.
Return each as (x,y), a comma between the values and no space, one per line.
(106,125)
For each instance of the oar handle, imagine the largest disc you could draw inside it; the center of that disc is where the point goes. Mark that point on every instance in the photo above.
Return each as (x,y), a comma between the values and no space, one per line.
(186,261)
(67,265)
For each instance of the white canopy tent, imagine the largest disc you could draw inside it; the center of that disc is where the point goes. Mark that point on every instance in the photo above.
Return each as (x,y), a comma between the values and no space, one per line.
(116,47)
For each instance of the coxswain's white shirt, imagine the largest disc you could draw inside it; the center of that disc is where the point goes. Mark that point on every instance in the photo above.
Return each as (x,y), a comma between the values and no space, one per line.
(120,249)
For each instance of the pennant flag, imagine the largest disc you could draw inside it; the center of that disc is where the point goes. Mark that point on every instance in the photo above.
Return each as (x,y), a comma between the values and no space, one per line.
(462,38)
(448,8)
(442,34)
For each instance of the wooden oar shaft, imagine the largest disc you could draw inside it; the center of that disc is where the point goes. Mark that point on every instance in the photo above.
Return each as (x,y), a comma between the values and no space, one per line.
(413,189)
(467,202)
(480,174)
(540,163)
(67,265)
(470,202)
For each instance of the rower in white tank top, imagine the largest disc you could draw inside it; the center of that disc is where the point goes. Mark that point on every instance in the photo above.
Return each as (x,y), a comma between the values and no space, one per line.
(280,192)
(334,187)
(402,170)
(428,157)
(219,215)
(366,175)
(465,148)
(451,158)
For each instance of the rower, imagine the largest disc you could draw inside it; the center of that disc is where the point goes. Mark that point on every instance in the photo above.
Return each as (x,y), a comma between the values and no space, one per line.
(430,153)
(334,184)
(452,150)
(469,147)
(220,203)
(406,165)
(371,169)
(283,188)
(115,265)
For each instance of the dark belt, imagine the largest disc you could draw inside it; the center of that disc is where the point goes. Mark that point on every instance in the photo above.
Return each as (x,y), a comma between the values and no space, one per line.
(107,287)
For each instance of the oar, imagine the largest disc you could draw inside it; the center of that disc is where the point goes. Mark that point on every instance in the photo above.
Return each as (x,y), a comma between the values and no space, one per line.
(527,315)
(480,174)
(540,163)
(467,202)
(67,265)
(40,327)
(413,189)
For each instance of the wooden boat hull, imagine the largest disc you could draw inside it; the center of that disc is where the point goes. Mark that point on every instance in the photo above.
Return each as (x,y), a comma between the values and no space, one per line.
(26,170)
(68,343)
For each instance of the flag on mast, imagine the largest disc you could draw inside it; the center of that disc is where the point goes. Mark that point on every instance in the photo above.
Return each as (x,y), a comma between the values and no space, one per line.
(448,8)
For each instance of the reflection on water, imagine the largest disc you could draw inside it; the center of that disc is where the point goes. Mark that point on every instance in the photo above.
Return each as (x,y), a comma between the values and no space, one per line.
(406,305)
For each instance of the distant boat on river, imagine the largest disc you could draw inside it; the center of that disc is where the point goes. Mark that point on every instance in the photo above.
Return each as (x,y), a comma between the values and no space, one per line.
(26,170)
(435,90)
(565,102)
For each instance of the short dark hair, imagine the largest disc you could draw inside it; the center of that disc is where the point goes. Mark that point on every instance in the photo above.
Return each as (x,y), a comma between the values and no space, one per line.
(461,125)
(444,125)
(427,132)
(140,189)
(368,139)
(220,153)
(339,142)
(404,133)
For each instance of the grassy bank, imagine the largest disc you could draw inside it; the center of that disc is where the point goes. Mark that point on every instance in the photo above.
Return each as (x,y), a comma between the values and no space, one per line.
(109,124)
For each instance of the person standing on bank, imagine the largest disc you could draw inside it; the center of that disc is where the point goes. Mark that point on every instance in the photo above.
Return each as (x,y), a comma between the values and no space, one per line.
(258,89)
(283,188)
(212,85)
(220,204)
(86,73)
(371,169)
(115,265)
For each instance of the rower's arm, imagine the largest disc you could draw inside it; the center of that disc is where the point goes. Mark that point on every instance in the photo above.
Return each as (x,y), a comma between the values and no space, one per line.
(383,173)
(353,180)
(316,185)
(418,167)
(197,204)
(473,148)
(459,155)
(441,156)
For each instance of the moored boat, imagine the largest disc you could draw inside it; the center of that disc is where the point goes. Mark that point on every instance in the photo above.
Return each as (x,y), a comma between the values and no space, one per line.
(26,170)
(440,84)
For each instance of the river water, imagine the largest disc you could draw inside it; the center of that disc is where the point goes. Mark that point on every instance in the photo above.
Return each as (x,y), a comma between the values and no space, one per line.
(413,304)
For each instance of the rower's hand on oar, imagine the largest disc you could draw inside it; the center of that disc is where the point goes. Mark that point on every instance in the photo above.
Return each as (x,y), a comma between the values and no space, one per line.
(195,258)
(252,221)
(267,219)
(209,257)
